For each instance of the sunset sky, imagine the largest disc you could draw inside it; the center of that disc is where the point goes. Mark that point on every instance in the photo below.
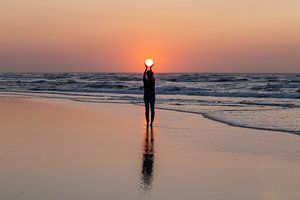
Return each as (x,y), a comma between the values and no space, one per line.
(180,35)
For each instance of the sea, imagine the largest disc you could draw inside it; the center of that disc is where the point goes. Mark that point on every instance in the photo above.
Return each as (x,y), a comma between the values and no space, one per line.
(258,101)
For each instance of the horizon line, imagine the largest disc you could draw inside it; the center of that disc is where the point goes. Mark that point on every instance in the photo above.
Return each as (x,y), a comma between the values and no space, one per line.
(132,72)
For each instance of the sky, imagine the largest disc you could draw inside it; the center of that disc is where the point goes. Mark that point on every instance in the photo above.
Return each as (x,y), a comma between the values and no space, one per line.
(180,35)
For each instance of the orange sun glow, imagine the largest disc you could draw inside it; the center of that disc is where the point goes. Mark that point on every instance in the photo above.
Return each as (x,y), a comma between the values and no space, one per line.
(149,62)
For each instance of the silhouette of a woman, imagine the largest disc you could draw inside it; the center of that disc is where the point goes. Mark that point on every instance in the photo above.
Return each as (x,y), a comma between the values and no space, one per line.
(149,93)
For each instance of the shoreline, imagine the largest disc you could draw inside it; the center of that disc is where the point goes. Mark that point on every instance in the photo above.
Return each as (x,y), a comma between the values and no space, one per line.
(69,97)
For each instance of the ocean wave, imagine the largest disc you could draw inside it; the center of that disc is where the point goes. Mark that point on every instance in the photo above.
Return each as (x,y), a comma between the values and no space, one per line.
(259,119)
(216,85)
(106,85)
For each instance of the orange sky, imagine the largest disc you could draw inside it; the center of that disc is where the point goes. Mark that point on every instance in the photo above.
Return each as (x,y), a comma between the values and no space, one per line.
(186,35)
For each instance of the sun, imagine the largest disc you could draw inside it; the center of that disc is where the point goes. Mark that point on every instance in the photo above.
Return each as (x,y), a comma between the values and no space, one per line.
(149,62)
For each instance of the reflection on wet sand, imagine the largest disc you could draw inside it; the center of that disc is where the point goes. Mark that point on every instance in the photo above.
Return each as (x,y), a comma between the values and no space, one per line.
(148,160)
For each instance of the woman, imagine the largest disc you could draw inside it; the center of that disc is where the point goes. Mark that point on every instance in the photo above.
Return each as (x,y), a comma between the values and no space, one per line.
(149,93)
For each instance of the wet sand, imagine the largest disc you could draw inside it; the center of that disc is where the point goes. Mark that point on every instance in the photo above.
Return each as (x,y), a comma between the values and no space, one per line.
(63,150)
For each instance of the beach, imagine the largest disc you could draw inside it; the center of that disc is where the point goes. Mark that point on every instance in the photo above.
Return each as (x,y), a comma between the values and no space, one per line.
(62,149)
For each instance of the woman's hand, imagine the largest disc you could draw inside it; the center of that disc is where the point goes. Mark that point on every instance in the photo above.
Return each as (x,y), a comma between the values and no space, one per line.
(151,67)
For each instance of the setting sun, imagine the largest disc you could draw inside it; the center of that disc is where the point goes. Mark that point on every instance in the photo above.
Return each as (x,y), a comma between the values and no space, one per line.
(149,62)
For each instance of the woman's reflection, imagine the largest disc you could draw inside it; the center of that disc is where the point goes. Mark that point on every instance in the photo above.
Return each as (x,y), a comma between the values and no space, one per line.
(148,160)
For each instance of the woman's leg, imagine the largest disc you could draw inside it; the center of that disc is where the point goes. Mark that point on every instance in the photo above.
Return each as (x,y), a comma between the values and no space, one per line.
(147,109)
(152,104)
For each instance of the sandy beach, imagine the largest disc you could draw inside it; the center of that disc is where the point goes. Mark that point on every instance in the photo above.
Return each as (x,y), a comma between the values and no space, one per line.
(53,149)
